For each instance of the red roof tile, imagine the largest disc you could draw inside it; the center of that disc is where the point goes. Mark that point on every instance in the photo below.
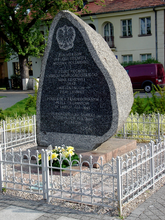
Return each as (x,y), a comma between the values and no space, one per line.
(122,5)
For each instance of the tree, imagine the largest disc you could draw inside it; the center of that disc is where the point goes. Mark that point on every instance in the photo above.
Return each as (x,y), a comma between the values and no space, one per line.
(20,22)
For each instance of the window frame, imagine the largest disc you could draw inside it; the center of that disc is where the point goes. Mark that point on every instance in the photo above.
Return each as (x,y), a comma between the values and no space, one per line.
(110,30)
(126,28)
(108,34)
(146,54)
(145,26)
(16,68)
(127,56)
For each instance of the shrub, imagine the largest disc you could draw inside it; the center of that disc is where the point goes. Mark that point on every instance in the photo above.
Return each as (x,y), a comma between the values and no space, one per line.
(152,60)
(2,117)
(17,82)
(31,101)
(151,105)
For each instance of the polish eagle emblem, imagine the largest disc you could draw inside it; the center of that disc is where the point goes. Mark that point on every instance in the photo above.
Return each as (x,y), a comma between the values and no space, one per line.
(65,37)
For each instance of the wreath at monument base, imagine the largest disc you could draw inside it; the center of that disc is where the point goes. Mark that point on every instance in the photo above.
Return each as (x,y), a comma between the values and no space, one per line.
(61,154)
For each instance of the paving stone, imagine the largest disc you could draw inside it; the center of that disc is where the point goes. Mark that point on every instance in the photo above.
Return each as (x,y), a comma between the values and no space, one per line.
(13,212)
(84,218)
(161,208)
(157,212)
(131,218)
(143,216)
(42,218)
(65,218)
(47,215)
(106,217)
(138,211)
(72,215)
(54,217)
(90,214)
(162,217)
(148,213)
(154,217)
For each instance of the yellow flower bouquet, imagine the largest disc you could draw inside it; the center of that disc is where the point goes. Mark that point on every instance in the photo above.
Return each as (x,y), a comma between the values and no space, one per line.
(63,153)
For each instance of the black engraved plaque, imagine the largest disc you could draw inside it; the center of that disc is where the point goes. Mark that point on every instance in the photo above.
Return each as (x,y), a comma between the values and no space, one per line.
(75,96)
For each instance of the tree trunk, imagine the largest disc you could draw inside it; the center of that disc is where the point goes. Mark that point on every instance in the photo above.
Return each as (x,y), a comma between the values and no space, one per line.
(24,71)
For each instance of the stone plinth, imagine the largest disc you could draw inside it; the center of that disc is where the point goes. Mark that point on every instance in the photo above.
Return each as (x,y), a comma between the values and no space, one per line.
(110,149)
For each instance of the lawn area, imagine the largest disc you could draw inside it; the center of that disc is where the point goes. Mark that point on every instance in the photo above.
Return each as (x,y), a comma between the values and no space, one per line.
(19,109)
(2,88)
(2,97)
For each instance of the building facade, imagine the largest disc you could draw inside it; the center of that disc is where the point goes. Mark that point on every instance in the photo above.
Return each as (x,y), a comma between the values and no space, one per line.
(3,67)
(134,30)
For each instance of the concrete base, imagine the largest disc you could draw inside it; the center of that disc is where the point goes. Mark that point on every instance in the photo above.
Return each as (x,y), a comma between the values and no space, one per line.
(110,149)
(25,84)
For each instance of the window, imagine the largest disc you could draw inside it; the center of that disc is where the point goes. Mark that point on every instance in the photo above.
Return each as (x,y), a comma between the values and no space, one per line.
(145,57)
(30,68)
(127,28)
(16,68)
(145,26)
(127,58)
(92,26)
(109,34)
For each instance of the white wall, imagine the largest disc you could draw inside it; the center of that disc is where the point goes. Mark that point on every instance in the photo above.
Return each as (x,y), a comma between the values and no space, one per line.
(36,66)
(160,34)
(135,45)
(130,46)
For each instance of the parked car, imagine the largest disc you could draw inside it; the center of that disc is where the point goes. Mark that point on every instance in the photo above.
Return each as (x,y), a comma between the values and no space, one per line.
(143,76)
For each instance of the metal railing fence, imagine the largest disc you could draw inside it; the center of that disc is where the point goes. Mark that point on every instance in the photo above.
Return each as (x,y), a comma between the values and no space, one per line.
(17,132)
(140,127)
(143,127)
(112,184)
(141,169)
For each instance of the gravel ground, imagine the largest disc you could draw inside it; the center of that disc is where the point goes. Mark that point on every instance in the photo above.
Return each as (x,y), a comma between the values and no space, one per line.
(127,209)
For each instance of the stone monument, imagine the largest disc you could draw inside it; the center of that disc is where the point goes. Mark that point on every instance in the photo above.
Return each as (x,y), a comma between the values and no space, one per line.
(84,94)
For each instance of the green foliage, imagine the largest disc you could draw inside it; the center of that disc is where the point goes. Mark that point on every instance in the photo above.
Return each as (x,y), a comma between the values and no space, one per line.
(2,88)
(155,104)
(142,128)
(65,163)
(16,79)
(148,61)
(2,117)
(31,101)
(18,110)
(65,153)
(139,106)
(3,189)
(21,22)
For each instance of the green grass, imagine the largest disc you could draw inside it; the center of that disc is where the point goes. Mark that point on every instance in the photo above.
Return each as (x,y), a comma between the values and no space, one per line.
(2,88)
(2,97)
(19,110)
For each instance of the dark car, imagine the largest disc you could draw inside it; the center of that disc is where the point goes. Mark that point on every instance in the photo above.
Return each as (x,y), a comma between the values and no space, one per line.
(143,76)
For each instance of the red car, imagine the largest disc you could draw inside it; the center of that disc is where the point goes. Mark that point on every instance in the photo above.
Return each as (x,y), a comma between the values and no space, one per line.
(143,76)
